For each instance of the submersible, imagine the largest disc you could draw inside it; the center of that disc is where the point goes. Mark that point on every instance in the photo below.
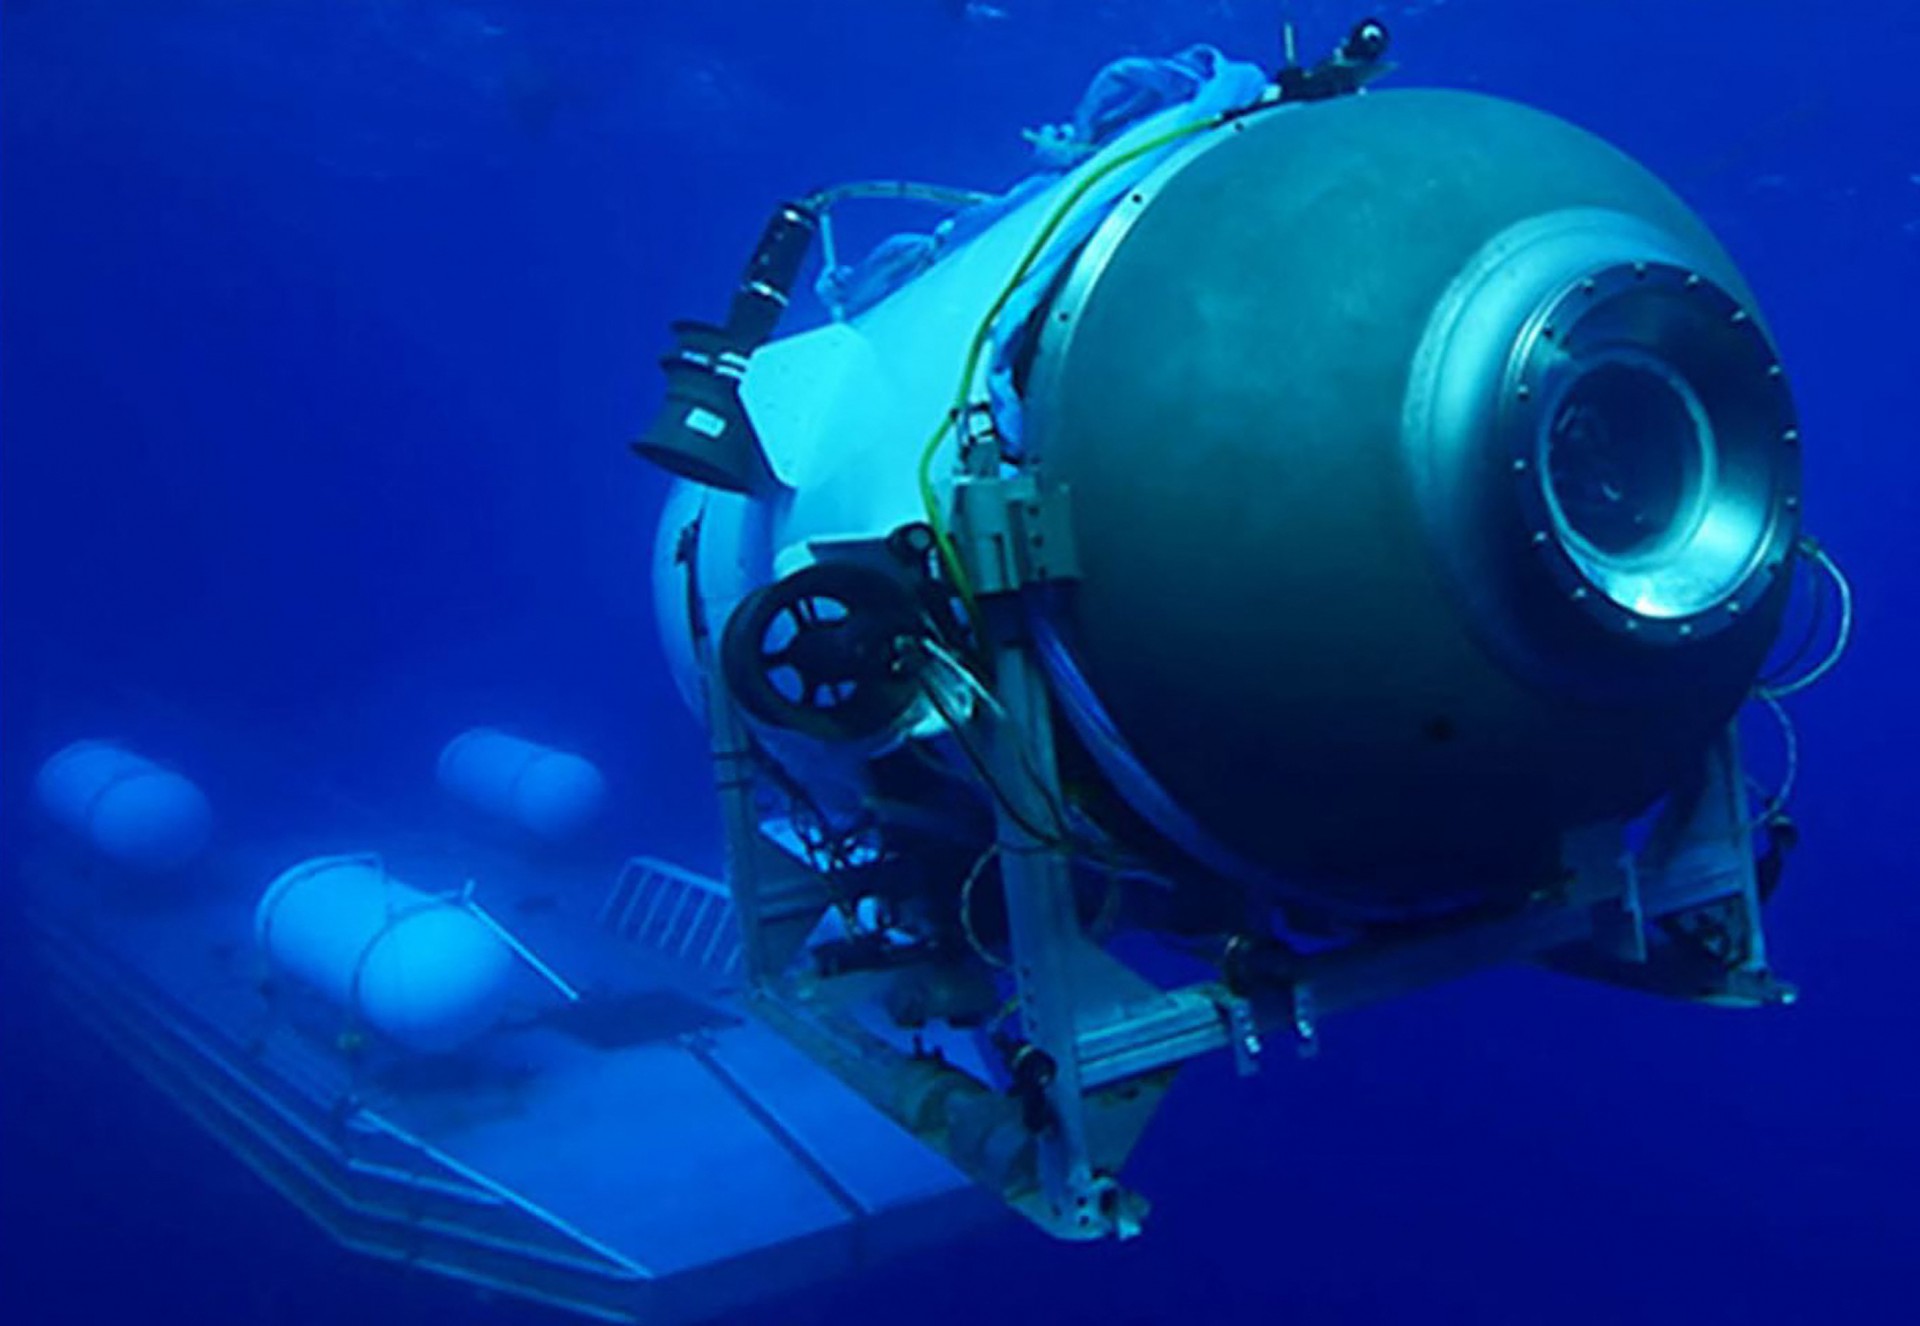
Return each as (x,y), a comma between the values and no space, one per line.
(1330,529)
(1300,544)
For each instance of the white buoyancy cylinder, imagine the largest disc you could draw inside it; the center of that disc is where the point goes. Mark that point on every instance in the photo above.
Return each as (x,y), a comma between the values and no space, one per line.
(126,806)
(422,970)
(550,793)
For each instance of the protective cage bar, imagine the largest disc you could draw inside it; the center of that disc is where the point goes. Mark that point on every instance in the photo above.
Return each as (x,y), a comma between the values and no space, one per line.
(1102,1043)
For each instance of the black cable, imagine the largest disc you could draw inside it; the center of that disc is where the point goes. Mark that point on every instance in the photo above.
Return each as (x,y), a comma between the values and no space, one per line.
(981,771)
(837,844)
(1065,830)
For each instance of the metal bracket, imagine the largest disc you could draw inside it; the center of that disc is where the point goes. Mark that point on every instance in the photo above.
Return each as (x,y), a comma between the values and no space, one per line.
(1606,872)
(1012,532)
(1697,881)
(1053,1153)
(1243,1035)
(1048,946)
(1097,1045)
(778,900)
(1304,1020)
(1162,1030)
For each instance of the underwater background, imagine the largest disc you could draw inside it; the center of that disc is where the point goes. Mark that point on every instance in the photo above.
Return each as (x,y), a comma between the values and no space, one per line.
(323,330)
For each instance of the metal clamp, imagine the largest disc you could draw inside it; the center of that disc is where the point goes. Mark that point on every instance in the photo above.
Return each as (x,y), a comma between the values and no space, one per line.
(1013,532)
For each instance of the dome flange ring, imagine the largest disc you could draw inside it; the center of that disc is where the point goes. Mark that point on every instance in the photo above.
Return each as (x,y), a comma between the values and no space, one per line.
(1649,432)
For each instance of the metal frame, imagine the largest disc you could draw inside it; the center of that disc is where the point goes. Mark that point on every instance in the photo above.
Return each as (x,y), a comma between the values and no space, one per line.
(1098,1044)
(369,1183)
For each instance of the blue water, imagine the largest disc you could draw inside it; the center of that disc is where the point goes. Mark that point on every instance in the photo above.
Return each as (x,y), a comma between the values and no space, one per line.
(322,330)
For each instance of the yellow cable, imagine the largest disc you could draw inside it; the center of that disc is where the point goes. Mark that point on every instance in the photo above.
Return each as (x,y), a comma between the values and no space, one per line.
(943,541)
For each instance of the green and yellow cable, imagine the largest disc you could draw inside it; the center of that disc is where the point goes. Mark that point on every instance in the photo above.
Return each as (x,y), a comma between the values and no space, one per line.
(929,498)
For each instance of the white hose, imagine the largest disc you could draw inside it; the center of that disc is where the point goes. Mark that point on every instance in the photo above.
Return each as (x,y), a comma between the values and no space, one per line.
(1791,740)
(1842,637)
